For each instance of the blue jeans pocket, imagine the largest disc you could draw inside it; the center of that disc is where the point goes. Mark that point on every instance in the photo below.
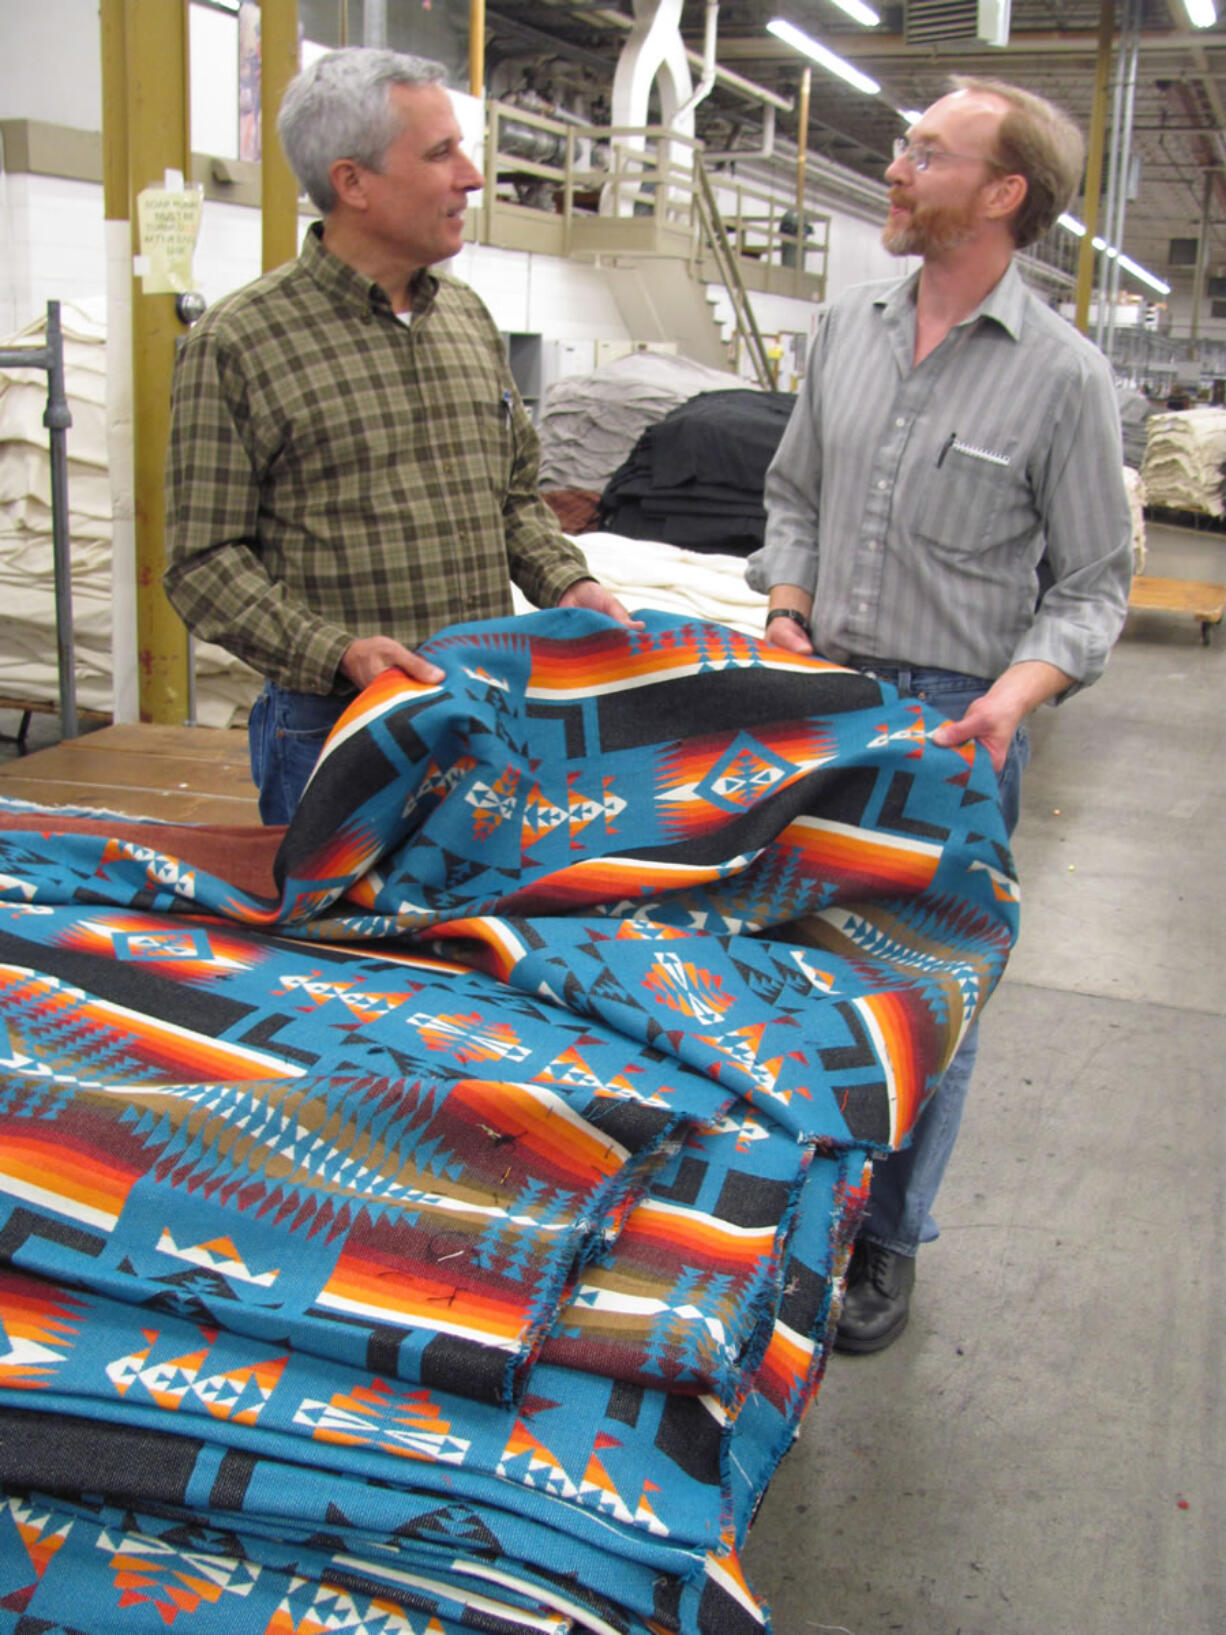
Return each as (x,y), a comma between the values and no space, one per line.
(286,734)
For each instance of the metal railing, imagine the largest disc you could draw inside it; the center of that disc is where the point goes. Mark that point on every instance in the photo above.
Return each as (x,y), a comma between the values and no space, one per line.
(578,188)
(57,418)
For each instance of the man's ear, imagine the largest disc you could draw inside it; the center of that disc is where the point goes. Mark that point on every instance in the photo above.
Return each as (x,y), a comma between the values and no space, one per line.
(348,182)
(1006,195)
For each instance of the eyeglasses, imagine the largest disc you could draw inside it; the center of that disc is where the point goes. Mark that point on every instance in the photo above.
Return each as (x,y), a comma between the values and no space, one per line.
(919,155)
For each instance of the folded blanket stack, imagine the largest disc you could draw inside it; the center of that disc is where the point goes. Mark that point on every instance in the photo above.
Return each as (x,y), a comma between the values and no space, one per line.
(431,1217)
(588,424)
(28,663)
(1135,489)
(1185,455)
(696,478)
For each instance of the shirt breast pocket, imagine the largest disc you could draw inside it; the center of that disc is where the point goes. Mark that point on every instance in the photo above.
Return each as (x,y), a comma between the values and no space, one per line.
(974,501)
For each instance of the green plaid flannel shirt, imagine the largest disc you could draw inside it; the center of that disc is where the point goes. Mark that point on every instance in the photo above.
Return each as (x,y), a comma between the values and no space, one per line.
(333,473)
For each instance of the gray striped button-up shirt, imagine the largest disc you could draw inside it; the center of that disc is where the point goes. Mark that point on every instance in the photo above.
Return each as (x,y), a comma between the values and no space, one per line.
(916,503)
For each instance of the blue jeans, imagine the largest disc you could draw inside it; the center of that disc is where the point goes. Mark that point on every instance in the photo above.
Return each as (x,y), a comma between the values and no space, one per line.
(285,734)
(905,1184)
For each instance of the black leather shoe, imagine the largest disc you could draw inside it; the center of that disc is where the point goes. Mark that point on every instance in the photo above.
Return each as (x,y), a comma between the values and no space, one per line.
(877,1303)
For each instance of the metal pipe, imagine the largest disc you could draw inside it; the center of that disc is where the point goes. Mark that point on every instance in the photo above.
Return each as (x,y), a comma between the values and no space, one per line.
(1202,258)
(703,89)
(57,417)
(1133,38)
(1094,165)
(1113,168)
(374,23)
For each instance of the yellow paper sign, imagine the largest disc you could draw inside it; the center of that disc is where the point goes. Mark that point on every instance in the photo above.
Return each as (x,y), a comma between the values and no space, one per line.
(168,223)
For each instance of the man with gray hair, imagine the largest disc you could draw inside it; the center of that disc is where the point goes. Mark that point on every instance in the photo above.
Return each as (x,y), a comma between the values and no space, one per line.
(946,511)
(350,466)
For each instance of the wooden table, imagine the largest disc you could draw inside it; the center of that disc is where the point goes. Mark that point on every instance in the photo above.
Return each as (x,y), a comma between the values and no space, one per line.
(178,774)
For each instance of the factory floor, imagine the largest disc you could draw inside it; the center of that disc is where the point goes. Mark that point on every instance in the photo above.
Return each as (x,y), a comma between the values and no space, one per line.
(1043,1452)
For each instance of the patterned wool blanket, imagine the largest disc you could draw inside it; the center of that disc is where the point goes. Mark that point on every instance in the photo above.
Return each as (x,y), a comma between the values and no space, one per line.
(431,1216)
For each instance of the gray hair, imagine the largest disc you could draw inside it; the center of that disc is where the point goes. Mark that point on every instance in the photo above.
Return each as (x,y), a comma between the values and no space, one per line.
(340,108)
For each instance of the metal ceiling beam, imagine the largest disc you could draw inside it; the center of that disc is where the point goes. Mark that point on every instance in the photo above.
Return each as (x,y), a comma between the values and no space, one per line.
(765,48)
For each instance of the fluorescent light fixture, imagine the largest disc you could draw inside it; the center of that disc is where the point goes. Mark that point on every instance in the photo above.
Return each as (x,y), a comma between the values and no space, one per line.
(860,13)
(1129,265)
(1126,263)
(1201,13)
(791,35)
(911,115)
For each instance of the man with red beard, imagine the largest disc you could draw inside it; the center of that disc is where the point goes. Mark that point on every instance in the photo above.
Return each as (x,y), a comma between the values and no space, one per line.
(350,467)
(953,436)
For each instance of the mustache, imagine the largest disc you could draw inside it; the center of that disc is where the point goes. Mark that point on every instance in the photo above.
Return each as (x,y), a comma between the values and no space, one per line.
(896,198)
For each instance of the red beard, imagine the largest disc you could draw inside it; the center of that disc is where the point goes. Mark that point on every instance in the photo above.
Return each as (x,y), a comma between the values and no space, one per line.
(929,229)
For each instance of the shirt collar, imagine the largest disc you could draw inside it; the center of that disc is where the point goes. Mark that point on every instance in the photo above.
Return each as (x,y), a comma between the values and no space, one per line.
(1004,304)
(351,289)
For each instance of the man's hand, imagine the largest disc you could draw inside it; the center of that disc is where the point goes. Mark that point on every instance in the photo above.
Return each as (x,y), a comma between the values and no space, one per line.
(369,656)
(787,632)
(993,719)
(590,594)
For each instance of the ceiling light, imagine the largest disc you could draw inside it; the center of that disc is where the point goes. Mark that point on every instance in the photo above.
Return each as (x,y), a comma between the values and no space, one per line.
(1201,13)
(859,11)
(911,115)
(1126,263)
(790,35)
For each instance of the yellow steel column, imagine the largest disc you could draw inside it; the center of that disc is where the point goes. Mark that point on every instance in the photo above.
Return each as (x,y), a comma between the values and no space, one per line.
(1094,166)
(802,153)
(156,74)
(278,65)
(476,48)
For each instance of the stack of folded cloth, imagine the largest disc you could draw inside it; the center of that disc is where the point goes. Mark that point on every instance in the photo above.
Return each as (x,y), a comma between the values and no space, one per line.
(432,1217)
(589,423)
(29,671)
(696,478)
(1185,452)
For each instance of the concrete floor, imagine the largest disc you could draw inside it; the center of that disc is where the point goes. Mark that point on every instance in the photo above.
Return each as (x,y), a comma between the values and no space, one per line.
(1044,1450)
(1020,1462)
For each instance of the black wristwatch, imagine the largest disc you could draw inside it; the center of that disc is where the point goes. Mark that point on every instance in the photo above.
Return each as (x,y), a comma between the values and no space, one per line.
(789,613)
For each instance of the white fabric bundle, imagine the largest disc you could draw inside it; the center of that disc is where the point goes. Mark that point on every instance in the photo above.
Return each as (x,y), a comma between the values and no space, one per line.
(29,666)
(1134,487)
(1184,455)
(698,584)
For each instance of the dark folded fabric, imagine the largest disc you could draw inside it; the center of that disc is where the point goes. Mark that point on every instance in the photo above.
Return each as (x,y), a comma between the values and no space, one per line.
(696,478)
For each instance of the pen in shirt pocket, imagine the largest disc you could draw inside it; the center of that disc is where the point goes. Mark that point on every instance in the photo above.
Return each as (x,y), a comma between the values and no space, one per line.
(945,448)
(506,403)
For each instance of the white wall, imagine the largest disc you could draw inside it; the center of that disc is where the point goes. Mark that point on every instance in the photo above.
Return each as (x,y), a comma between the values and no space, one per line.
(51,62)
(51,245)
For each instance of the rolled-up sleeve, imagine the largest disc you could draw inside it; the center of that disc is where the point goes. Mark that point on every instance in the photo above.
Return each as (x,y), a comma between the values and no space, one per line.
(1088,527)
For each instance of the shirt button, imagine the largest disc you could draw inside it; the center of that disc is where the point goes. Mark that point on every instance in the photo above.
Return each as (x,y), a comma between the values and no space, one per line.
(883,482)
(900,421)
(863,607)
(872,544)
